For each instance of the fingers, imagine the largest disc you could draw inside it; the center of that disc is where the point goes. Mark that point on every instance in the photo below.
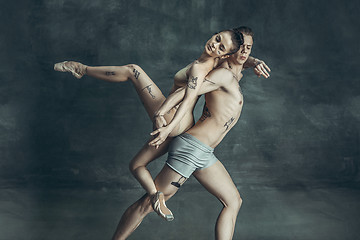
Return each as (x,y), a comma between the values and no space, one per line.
(155,132)
(156,142)
(260,68)
(257,72)
(266,66)
(264,70)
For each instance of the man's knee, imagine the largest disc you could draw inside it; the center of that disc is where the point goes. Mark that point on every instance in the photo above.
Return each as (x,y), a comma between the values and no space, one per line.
(145,204)
(235,202)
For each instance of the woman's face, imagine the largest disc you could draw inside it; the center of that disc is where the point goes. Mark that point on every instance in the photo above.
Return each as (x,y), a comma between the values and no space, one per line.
(219,44)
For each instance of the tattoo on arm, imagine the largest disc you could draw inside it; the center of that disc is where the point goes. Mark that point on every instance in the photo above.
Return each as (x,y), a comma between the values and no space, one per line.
(136,73)
(149,90)
(206,113)
(109,73)
(228,123)
(207,80)
(192,83)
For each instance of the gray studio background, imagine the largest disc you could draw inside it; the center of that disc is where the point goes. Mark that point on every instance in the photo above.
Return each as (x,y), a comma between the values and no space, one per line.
(66,143)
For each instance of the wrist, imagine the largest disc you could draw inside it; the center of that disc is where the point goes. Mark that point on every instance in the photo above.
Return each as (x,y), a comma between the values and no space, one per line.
(257,62)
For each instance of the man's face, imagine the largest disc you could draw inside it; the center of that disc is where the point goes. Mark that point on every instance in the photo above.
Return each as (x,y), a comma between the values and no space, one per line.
(245,49)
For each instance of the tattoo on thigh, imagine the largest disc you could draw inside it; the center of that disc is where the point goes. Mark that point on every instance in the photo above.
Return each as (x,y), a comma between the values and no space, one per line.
(206,113)
(109,73)
(179,182)
(228,123)
(192,83)
(149,90)
(136,73)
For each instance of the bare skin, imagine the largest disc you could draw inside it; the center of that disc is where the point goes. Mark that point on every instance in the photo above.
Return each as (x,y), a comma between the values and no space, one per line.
(215,178)
(187,83)
(221,112)
(152,98)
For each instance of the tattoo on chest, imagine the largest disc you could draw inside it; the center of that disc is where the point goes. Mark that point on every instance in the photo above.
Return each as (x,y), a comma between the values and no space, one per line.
(192,83)
(109,73)
(149,90)
(136,73)
(228,123)
(206,113)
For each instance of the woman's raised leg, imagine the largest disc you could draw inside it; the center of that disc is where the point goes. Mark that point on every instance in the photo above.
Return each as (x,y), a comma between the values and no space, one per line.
(149,93)
(219,183)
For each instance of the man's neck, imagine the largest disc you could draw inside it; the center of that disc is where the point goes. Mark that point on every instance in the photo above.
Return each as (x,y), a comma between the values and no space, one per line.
(234,66)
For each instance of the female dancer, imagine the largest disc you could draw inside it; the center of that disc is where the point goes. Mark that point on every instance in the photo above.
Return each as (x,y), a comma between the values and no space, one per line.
(187,83)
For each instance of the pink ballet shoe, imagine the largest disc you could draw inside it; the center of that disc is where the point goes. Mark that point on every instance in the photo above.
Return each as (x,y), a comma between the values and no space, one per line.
(159,206)
(70,67)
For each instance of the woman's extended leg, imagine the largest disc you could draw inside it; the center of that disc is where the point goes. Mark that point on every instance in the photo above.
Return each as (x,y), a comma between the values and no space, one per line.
(219,183)
(149,93)
(134,215)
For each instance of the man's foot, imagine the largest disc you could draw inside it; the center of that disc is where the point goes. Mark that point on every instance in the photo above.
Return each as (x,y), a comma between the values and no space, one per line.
(77,69)
(159,206)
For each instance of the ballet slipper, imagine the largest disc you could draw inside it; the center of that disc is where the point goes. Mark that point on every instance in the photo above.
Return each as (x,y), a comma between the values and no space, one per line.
(63,67)
(159,206)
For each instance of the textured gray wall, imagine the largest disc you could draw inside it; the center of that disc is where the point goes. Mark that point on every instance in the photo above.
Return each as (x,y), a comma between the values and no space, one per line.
(301,126)
(299,130)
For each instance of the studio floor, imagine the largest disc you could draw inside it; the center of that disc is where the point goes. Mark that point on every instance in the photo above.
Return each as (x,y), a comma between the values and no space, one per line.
(266,213)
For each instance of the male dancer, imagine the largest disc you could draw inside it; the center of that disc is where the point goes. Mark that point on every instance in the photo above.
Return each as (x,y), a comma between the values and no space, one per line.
(192,152)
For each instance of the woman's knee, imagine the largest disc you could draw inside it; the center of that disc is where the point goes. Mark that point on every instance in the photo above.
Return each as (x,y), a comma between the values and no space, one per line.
(133,71)
(134,167)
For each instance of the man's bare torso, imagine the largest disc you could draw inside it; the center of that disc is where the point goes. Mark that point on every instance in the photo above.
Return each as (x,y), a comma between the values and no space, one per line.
(222,109)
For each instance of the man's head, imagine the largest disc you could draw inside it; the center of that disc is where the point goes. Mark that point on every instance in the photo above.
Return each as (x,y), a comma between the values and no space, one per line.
(245,49)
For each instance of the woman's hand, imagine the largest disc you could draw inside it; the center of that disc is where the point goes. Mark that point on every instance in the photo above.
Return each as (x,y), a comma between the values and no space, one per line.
(160,121)
(261,69)
(163,133)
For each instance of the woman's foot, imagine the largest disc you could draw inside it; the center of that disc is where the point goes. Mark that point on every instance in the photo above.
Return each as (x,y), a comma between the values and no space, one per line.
(159,206)
(77,69)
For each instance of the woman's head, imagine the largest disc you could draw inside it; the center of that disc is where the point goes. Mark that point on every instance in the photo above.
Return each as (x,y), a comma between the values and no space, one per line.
(224,43)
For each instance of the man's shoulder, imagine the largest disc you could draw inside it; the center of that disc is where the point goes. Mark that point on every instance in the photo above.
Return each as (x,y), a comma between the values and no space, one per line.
(221,75)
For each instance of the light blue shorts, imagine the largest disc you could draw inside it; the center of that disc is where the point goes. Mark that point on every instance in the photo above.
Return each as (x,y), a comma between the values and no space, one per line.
(187,154)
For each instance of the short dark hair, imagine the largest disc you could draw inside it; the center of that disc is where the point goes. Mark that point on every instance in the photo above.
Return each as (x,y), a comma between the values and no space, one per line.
(237,39)
(245,30)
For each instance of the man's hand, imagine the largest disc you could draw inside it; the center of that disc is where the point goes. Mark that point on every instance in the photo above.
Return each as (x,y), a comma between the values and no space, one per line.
(261,69)
(160,121)
(163,133)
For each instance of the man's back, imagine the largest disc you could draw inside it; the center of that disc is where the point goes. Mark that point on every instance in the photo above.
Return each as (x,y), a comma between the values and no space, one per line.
(221,111)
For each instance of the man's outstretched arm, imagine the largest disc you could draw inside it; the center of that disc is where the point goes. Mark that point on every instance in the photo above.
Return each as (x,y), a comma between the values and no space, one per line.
(260,67)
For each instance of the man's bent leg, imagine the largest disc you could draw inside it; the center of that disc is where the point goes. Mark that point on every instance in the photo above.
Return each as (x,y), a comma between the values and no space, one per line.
(132,217)
(219,183)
